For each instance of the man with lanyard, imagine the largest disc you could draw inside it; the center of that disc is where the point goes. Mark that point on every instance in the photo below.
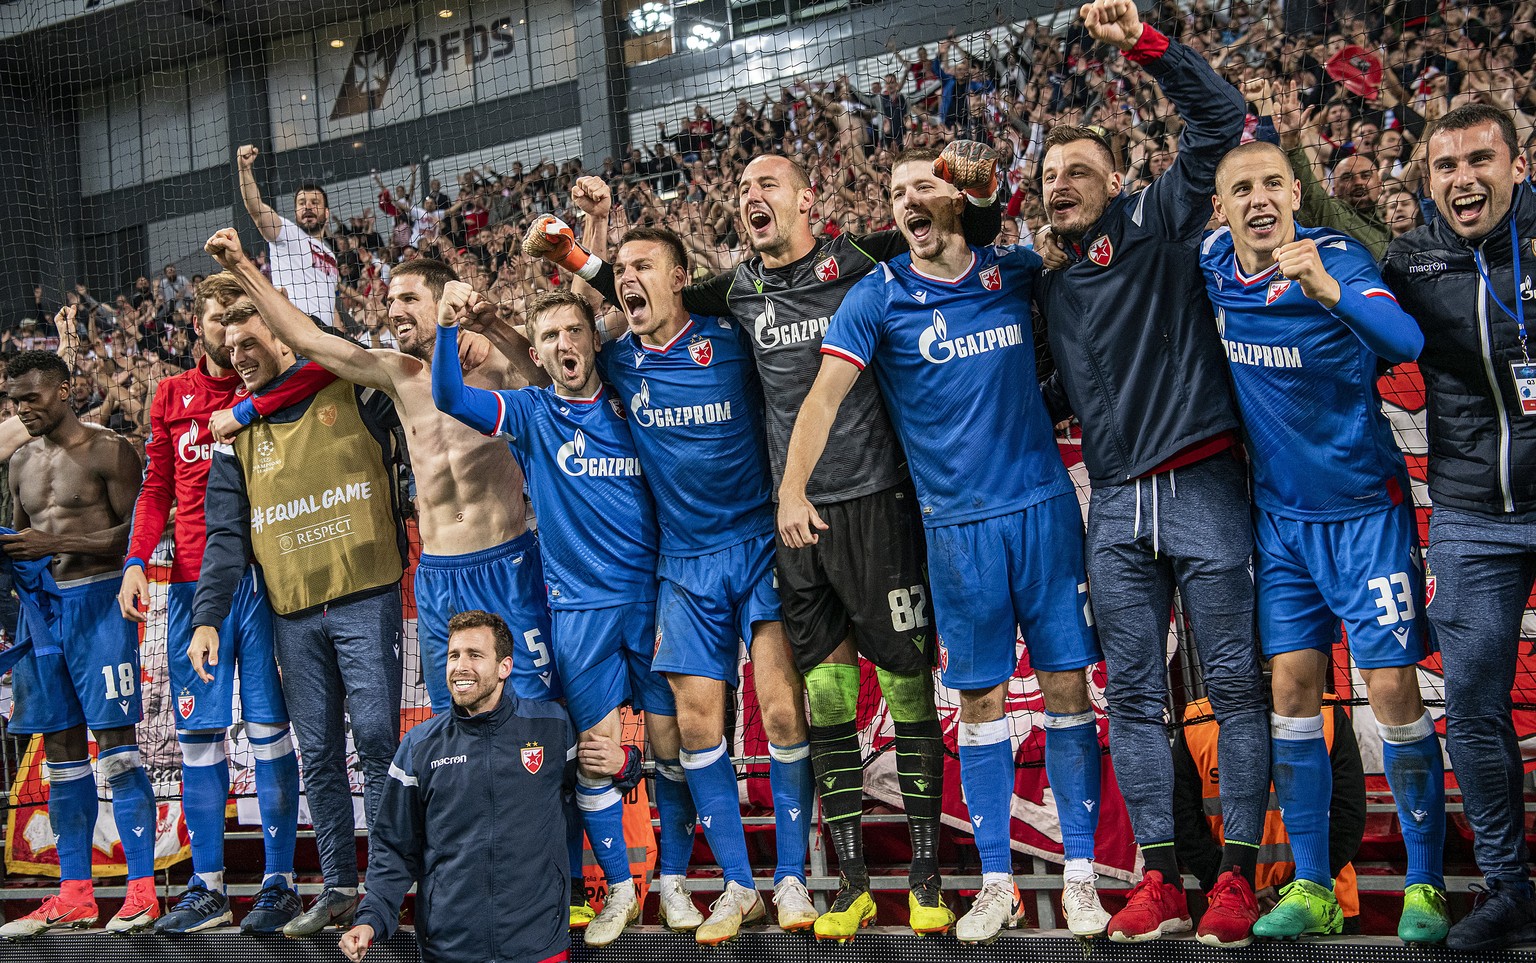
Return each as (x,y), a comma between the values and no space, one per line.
(1465,279)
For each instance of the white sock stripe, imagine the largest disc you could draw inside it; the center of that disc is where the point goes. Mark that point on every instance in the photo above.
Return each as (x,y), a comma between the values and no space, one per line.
(276,749)
(1295,729)
(1068,722)
(984,733)
(200,754)
(69,771)
(264,732)
(703,758)
(593,782)
(1420,728)
(115,762)
(671,771)
(794,753)
(597,802)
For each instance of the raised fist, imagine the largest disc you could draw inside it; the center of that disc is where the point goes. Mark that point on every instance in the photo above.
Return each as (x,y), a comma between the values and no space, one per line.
(1114,22)
(224,247)
(247,156)
(969,165)
(454,299)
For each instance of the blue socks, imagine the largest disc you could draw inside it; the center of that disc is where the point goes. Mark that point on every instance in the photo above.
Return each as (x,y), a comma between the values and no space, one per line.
(133,807)
(676,814)
(1416,773)
(204,795)
(1073,766)
(793,782)
(987,776)
(72,810)
(1304,788)
(277,794)
(712,781)
(602,810)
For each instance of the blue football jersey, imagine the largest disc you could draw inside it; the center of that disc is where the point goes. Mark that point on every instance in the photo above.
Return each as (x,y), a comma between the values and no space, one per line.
(956,363)
(1321,448)
(597,522)
(696,414)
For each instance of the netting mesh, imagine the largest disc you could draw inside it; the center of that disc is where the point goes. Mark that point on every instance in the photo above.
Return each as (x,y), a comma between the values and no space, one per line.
(441,129)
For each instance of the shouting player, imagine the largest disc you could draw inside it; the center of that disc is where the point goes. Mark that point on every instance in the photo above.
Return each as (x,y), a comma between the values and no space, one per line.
(73,495)
(947,330)
(1306,321)
(598,536)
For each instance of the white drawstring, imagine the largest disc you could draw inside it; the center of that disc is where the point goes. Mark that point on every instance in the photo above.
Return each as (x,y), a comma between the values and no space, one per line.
(1136,529)
(1154,516)
(1173,488)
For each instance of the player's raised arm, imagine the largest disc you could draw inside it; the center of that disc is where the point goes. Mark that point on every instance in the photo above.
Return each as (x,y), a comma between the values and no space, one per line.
(1359,298)
(292,326)
(476,407)
(798,521)
(268,221)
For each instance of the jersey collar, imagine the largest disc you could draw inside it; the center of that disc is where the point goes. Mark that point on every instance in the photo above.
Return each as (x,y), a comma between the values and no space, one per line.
(956,280)
(670,344)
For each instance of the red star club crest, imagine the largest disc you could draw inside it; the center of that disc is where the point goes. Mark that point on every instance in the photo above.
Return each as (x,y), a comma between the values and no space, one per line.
(992,278)
(702,351)
(827,270)
(185,703)
(1100,251)
(1277,287)
(533,757)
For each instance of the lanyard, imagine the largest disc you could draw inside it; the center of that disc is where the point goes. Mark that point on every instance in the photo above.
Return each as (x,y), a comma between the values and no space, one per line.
(1517,315)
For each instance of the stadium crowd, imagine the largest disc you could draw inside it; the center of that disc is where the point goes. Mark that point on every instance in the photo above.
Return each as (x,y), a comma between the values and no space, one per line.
(1348,113)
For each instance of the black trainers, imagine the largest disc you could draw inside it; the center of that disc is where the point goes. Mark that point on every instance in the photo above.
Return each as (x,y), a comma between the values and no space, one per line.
(274,908)
(198,909)
(1504,914)
(331,908)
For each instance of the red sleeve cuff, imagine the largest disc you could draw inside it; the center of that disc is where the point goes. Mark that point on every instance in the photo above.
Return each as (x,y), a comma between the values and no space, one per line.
(842,355)
(1151,45)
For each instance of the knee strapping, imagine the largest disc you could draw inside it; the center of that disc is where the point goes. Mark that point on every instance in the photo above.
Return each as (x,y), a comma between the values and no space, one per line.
(908,696)
(834,693)
(115,762)
(788,754)
(670,770)
(202,748)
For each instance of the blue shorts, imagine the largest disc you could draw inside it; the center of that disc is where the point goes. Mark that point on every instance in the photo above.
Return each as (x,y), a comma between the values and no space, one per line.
(506,580)
(95,680)
(245,639)
(604,660)
(707,606)
(1021,572)
(1364,571)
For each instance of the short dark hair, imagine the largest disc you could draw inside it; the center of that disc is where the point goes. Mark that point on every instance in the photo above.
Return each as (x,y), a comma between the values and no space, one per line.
(312,186)
(480,619)
(1244,150)
(241,312)
(1473,115)
(48,362)
(547,301)
(221,288)
(434,273)
(1063,134)
(915,155)
(659,235)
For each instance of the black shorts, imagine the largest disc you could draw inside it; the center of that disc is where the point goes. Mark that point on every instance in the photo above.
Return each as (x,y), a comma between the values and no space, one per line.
(868,574)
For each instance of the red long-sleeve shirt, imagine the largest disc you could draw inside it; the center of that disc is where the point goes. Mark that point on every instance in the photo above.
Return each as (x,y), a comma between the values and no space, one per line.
(180,450)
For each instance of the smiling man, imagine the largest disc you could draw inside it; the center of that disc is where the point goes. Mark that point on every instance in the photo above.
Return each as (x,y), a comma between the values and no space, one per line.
(1465,279)
(1306,323)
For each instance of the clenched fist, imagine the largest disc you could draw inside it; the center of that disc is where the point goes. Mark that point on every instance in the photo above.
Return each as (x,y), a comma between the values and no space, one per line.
(969,165)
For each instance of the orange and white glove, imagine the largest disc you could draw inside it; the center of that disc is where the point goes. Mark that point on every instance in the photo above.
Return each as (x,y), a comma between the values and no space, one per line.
(972,167)
(550,238)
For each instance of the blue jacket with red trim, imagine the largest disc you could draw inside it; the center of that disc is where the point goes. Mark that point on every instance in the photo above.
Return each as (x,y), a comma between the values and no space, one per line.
(473,812)
(1131,331)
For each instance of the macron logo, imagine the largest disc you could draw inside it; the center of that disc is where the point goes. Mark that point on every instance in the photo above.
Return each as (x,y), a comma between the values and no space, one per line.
(448,761)
(705,821)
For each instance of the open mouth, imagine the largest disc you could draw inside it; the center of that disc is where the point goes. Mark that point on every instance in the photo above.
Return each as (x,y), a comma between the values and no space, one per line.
(1469,207)
(463,685)
(1263,225)
(634,302)
(919,227)
(568,366)
(404,328)
(759,220)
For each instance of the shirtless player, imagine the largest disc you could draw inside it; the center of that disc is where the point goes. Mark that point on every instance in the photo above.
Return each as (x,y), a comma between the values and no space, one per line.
(74,493)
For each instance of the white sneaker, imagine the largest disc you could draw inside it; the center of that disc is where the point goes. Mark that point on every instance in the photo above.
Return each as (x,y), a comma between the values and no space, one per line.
(736,906)
(620,909)
(1085,914)
(678,913)
(997,906)
(793,903)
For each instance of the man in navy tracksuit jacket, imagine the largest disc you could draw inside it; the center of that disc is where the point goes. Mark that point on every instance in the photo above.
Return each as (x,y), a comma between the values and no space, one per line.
(1140,362)
(473,813)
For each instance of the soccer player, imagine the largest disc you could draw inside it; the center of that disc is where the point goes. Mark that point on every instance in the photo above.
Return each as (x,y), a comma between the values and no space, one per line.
(865,590)
(1462,278)
(947,331)
(598,536)
(1306,322)
(180,450)
(1139,362)
(303,264)
(310,494)
(73,493)
(473,815)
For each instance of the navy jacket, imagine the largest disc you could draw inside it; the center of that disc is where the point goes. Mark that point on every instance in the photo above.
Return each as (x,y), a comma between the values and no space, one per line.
(1482,449)
(473,813)
(1137,356)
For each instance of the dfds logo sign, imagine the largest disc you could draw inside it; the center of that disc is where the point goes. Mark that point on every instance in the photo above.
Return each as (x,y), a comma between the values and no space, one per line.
(376,58)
